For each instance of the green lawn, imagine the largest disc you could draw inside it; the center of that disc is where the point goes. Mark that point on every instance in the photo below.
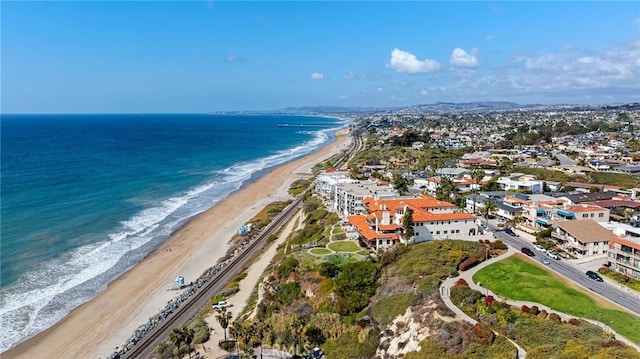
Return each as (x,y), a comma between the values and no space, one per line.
(320,251)
(337,230)
(344,246)
(519,279)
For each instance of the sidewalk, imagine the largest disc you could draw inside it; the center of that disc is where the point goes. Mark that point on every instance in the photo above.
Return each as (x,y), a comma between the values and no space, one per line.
(468,276)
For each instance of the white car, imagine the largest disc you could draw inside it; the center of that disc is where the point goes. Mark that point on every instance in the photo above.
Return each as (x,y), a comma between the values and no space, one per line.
(553,254)
(539,248)
(222,304)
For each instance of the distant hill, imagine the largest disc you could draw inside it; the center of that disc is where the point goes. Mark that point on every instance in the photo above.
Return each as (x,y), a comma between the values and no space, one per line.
(443,108)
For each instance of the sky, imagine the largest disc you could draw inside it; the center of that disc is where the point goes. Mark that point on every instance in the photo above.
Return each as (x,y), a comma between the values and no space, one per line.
(207,56)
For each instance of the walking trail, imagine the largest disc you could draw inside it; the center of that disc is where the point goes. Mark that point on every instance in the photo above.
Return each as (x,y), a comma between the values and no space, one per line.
(247,285)
(445,290)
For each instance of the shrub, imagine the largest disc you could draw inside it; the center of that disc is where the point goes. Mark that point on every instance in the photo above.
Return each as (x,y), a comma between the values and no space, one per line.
(535,310)
(525,309)
(574,321)
(287,266)
(468,263)
(604,270)
(461,281)
(488,300)
(329,269)
(500,244)
(554,318)
(612,343)
(542,314)
(287,292)
(482,334)
(201,335)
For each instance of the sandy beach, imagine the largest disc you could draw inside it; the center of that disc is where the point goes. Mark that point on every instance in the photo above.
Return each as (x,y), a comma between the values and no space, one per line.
(96,328)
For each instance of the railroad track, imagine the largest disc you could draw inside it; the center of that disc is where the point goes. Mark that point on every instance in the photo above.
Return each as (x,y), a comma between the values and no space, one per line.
(188,310)
(192,306)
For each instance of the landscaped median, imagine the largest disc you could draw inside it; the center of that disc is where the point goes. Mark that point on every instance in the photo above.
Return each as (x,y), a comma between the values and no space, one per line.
(518,279)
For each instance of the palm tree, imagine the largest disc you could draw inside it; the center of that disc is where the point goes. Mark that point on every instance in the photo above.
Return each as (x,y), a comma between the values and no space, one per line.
(489,207)
(477,175)
(177,338)
(224,318)
(297,323)
(239,332)
(188,334)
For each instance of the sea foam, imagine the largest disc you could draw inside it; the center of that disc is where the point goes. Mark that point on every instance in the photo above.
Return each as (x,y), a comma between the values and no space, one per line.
(43,296)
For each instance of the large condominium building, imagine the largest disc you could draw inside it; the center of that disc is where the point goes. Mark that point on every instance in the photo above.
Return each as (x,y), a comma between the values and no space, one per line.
(344,195)
(382,224)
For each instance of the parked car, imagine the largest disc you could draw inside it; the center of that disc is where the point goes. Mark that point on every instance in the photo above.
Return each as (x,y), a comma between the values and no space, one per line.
(545,261)
(553,255)
(593,275)
(222,304)
(539,248)
(528,252)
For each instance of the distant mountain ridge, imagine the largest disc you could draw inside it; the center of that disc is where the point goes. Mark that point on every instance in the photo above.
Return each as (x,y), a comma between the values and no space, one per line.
(443,108)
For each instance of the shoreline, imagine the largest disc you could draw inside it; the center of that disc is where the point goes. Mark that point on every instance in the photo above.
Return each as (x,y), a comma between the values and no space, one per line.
(97,327)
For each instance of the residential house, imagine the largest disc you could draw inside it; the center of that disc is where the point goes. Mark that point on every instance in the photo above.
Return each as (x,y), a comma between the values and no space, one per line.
(583,211)
(630,169)
(588,197)
(520,182)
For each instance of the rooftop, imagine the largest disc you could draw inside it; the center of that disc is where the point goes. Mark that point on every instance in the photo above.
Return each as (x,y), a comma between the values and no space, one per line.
(586,230)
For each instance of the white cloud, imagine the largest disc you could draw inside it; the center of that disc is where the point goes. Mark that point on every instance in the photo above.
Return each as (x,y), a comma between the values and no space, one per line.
(461,58)
(231,58)
(403,61)
(316,76)
(380,89)
(490,37)
(349,75)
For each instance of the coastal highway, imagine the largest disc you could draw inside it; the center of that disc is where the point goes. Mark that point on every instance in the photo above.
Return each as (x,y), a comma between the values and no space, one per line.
(613,293)
(145,348)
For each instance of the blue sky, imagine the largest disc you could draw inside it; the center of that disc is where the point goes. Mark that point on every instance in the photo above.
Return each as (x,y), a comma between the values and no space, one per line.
(144,56)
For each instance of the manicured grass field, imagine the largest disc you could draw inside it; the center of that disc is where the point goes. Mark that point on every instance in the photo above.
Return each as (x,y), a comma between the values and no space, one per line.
(320,251)
(343,246)
(337,230)
(518,279)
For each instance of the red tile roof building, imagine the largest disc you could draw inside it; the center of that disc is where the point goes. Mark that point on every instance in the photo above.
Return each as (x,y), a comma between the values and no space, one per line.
(382,225)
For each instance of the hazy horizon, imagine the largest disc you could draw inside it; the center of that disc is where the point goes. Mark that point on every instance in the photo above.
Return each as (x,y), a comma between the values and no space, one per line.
(199,57)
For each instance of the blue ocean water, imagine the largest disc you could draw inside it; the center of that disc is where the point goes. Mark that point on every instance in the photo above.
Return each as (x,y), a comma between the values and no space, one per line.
(85,197)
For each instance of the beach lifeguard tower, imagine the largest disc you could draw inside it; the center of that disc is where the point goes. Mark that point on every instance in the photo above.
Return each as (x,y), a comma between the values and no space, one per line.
(179,281)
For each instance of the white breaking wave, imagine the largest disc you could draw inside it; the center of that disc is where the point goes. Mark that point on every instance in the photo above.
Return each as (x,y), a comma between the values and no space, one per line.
(45,295)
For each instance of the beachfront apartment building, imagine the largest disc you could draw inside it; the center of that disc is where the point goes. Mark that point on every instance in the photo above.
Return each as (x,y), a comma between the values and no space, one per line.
(382,224)
(344,195)
(582,237)
(624,256)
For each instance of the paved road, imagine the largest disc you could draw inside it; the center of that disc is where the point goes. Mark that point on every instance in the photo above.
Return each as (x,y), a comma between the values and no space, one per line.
(468,277)
(604,289)
(564,160)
